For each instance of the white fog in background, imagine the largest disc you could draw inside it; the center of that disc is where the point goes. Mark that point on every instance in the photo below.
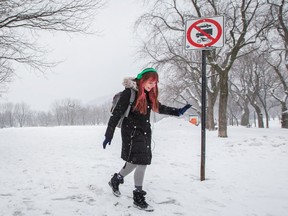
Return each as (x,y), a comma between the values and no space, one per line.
(92,66)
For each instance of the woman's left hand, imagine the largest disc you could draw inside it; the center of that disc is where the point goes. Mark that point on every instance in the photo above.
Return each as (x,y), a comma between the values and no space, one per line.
(182,110)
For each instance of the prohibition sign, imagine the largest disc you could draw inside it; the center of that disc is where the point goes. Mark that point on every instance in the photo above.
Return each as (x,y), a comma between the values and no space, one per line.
(213,39)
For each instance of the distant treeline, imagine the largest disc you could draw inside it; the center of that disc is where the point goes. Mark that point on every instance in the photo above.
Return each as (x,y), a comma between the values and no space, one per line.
(63,112)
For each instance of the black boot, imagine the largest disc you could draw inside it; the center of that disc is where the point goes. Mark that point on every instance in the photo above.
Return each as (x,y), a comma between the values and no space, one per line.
(114,183)
(139,200)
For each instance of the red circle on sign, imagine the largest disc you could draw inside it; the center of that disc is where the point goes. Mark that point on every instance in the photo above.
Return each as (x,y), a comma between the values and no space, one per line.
(213,40)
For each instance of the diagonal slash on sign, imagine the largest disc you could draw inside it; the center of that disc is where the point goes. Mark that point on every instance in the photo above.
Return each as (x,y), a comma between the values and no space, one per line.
(204,33)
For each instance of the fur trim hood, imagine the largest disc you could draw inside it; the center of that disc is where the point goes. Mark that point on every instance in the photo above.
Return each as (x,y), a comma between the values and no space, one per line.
(129,82)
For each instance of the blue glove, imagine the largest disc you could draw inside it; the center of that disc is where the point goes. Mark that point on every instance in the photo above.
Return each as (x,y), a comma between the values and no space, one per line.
(106,141)
(182,110)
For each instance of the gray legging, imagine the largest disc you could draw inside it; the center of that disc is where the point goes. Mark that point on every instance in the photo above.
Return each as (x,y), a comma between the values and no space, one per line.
(138,174)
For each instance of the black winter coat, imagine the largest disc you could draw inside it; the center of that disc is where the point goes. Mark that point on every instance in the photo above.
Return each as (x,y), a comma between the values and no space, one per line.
(136,129)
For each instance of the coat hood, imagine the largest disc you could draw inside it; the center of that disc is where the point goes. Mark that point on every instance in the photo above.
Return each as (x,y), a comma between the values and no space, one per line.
(129,82)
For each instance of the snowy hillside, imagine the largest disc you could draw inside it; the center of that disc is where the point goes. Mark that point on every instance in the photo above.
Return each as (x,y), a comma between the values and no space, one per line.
(64,171)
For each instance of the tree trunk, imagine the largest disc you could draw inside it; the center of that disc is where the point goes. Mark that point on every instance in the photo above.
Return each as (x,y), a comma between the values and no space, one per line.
(210,111)
(210,118)
(245,116)
(260,120)
(259,116)
(223,99)
(11,122)
(212,94)
(267,118)
(232,118)
(284,116)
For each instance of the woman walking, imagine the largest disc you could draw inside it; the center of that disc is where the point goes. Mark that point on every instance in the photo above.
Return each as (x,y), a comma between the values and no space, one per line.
(136,131)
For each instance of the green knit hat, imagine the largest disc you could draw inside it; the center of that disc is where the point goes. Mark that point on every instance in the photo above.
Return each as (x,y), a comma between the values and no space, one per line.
(146,70)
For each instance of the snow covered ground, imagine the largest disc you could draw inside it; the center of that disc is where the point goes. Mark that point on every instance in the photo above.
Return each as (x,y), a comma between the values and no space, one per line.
(63,171)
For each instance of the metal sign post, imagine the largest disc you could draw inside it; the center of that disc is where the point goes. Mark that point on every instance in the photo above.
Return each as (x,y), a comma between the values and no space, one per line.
(202,34)
(203,117)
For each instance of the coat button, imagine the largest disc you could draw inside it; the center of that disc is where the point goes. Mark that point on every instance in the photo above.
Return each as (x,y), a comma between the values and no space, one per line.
(145,133)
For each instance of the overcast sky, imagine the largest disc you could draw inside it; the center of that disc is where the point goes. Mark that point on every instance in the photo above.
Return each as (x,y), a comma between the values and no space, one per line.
(94,66)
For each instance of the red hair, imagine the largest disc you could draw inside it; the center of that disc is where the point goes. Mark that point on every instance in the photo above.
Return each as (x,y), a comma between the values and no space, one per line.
(141,102)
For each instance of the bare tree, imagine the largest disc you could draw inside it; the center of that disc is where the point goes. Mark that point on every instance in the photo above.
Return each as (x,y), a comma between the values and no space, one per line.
(242,30)
(58,112)
(252,81)
(6,113)
(21,21)
(67,111)
(278,47)
(267,80)
(163,42)
(63,112)
(238,97)
(21,113)
(42,118)
(280,92)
